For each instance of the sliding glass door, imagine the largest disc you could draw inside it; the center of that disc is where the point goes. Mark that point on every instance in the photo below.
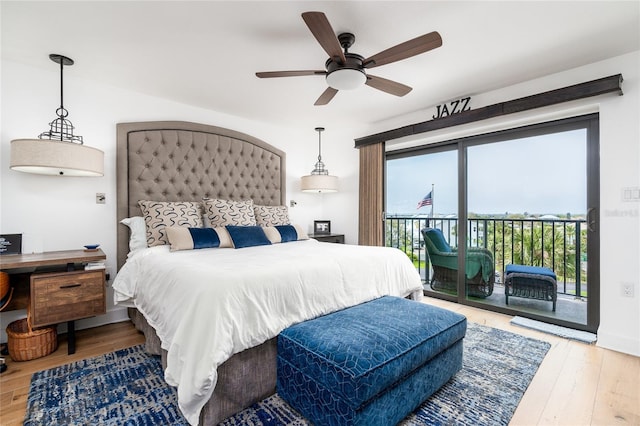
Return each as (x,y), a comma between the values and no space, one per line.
(526,197)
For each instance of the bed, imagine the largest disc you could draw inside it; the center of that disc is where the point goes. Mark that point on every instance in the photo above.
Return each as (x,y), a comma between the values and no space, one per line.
(190,302)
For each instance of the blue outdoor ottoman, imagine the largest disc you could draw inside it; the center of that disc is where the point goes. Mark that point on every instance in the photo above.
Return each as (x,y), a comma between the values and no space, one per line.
(532,282)
(370,364)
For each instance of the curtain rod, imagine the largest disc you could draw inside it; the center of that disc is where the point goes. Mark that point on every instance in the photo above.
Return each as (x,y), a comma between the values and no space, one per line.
(588,89)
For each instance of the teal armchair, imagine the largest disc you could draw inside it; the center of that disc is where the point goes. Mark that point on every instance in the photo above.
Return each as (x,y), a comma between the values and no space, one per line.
(479,266)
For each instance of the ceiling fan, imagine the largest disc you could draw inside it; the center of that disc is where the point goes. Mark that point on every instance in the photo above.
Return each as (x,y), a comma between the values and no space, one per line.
(346,70)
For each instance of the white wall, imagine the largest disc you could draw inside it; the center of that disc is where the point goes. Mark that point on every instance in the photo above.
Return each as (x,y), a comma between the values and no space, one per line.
(619,168)
(60,213)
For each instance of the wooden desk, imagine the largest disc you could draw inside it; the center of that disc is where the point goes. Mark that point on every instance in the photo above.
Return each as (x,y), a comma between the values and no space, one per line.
(56,287)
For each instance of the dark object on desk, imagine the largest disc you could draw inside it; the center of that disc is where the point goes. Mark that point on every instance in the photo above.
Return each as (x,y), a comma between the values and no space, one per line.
(10,244)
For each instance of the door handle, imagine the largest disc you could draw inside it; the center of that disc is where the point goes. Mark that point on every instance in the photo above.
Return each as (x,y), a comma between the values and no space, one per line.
(591,219)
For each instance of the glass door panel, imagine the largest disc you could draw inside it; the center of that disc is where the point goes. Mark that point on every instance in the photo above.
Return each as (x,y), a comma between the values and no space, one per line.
(421,194)
(527,207)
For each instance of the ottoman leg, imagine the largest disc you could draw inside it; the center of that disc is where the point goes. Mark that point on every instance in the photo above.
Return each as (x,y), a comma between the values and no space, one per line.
(506,291)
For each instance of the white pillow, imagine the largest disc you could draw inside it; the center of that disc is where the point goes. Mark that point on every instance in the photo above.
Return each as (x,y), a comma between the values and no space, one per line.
(137,233)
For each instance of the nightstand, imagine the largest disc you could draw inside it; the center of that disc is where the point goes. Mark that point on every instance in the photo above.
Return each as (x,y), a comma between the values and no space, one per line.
(328,238)
(56,290)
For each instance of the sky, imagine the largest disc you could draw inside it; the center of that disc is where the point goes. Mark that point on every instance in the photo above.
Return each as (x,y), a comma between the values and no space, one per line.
(538,175)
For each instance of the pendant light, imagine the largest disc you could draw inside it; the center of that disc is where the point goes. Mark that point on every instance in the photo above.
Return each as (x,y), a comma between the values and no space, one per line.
(319,180)
(57,151)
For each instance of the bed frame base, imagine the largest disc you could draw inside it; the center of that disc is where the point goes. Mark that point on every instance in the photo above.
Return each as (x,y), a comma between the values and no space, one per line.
(244,379)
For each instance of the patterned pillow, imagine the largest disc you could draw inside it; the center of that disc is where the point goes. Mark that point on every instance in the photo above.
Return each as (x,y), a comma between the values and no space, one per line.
(271,215)
(225,212)
(159,214)
(182,238)
(285,233)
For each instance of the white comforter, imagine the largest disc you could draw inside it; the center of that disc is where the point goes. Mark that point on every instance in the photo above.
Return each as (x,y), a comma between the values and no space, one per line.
(209,304)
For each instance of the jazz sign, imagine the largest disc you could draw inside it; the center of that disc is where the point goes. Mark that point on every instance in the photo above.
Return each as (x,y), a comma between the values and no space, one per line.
(453,107)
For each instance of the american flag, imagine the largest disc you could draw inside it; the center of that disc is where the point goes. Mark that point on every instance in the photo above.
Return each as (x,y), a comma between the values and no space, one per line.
(426,201)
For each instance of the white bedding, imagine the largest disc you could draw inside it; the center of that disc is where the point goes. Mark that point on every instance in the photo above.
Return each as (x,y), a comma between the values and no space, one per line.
(209,304)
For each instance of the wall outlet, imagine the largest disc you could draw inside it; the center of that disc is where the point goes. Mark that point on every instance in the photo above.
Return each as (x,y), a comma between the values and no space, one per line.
(627,289)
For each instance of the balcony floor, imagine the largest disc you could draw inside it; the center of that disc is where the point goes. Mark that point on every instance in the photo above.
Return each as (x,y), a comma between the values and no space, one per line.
(568,308)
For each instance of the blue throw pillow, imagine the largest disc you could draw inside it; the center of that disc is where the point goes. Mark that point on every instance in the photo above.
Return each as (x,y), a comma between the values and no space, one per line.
(183,238)
(204,238)
(287,233)
(247,236)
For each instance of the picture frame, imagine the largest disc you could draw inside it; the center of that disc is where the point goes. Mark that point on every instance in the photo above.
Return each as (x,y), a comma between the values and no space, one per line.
(321,226)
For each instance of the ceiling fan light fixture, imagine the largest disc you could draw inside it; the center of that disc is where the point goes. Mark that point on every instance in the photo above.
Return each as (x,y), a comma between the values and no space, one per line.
(346,78)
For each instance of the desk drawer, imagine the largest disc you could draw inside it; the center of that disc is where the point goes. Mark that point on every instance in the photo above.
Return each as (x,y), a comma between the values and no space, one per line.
(66,296)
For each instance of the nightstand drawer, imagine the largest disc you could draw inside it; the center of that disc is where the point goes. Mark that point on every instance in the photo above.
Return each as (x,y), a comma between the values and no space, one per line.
(66,296)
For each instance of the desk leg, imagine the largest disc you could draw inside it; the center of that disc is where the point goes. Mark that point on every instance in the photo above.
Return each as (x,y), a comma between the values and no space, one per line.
(71,337)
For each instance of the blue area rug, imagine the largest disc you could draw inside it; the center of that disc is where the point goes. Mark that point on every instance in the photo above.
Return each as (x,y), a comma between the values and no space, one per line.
(126,387)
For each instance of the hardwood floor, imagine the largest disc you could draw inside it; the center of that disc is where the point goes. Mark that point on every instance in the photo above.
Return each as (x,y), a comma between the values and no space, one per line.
(576,384)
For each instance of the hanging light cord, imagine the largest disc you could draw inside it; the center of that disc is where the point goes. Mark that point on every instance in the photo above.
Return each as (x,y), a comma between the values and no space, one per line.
(61,112)
(61,128)
(319,167)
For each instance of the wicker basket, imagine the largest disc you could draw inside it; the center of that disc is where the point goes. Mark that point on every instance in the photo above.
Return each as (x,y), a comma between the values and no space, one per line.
(26,344)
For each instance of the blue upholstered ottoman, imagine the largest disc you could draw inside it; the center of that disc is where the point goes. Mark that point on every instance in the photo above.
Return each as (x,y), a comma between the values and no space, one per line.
(370,364)
(532,282)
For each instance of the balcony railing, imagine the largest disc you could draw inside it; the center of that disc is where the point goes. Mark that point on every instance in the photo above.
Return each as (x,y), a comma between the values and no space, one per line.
(558,244)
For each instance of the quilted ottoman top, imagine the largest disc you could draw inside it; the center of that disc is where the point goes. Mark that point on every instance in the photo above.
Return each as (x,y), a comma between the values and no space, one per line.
(534,270)
(360,351)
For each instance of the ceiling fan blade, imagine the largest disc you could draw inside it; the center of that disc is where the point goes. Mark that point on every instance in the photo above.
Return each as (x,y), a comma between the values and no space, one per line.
(271,74)
(326,96)
(322,31)
(405,50)
(389,86)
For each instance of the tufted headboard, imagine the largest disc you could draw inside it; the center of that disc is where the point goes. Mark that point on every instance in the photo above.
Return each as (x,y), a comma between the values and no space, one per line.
(182,161)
